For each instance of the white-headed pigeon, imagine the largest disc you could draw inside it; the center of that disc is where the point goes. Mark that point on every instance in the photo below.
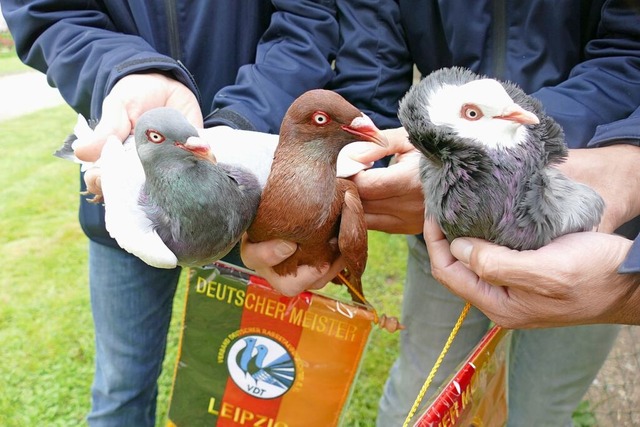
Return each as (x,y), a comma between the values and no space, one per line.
(489,162)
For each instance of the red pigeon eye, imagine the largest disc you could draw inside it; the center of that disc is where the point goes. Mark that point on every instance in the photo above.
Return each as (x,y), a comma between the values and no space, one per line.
(320,118)
(154,136)
(471,112)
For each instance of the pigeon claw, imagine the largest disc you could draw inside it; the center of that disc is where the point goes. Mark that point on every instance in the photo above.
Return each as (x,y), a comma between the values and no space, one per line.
(96,199)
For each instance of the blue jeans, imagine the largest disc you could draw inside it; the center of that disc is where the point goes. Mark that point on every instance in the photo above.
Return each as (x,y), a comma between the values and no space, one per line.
(131,304)
(550,370)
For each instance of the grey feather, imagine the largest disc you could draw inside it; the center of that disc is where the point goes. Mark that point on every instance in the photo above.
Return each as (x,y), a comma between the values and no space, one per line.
(199,208)
(513,195)
(66,151)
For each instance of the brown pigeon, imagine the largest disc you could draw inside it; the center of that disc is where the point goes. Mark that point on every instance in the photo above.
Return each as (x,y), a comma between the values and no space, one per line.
(303,201)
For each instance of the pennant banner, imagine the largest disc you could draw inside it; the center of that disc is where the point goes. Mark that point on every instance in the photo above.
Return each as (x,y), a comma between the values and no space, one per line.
(476,395)
(252,357)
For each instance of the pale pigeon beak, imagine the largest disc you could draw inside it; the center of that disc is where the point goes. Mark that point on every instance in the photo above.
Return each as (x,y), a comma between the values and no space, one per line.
(518,114)
(364,128)
(199,147)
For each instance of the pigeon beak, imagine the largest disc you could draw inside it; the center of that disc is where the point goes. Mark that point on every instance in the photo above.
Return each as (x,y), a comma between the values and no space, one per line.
(364,128)
(518,114)
(198,147)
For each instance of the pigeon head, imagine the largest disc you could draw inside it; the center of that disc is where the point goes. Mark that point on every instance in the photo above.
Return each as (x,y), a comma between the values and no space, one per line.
(164,133)
(325,121)
(458,102)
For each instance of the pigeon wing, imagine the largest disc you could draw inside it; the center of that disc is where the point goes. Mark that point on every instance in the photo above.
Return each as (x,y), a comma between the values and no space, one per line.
(554,205)
(352,236)
(122,180)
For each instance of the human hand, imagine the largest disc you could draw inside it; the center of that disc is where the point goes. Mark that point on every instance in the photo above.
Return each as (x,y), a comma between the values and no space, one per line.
(129,98)
(392,197)
(262,256)
(612,172)
(573,280)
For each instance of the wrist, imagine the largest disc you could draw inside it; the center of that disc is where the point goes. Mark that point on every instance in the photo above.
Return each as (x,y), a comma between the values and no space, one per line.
(628,311)
(624,289)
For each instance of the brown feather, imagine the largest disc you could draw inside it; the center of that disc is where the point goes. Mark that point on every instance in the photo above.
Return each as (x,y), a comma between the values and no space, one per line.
(303,201)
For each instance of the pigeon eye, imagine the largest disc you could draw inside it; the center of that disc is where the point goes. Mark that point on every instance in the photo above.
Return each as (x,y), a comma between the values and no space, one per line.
(154,136)
(470,112)
(320,118)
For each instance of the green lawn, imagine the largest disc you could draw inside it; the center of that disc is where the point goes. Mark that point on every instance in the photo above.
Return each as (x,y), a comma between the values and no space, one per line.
(46,328)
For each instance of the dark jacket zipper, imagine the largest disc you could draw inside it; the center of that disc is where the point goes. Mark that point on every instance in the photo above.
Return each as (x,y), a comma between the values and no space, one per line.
(172,29)
(499,33)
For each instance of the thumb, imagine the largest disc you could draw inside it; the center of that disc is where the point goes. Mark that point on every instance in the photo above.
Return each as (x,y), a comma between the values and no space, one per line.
(265,254)
(397,143)
(368,153)
(115,121)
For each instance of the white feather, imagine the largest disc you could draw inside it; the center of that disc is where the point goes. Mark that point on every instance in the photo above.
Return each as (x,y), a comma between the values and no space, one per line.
(254,151)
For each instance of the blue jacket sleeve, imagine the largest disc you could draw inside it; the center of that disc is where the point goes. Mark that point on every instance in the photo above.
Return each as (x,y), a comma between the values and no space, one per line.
(374,66)
(80,50)
(605,87)
(293,56)
(631,263)
(626,131)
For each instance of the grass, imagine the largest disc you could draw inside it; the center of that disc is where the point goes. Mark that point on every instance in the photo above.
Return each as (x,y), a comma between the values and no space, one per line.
(45,326)
(46,330)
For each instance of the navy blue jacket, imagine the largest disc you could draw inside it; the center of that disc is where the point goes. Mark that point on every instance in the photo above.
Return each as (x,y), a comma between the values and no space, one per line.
(246,60)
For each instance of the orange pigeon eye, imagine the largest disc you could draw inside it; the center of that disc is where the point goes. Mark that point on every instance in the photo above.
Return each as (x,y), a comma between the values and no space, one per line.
(154,136)
(471,112)
(320,118)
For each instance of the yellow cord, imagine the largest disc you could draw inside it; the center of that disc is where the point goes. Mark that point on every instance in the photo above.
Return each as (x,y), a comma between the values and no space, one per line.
(432,374)
(359,295)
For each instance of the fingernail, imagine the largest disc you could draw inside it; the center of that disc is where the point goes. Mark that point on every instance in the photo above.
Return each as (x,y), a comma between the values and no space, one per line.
(285,249)
(461,249)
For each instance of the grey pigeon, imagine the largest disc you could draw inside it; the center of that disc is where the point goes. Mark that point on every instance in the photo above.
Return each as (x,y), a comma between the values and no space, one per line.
(488,169)
(198,207)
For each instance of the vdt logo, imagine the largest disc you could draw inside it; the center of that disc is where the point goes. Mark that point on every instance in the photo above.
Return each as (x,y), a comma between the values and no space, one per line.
(261,366)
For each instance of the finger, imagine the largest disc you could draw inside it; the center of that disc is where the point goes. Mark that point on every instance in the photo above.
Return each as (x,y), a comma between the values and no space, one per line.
(498,265)
(93,180)
(194,116)
(397,142)
(437,244)
(265,254)
(374,184)
(114,121)
(336,267)
(305,277)
(455,276)
(393,224)
(186,102)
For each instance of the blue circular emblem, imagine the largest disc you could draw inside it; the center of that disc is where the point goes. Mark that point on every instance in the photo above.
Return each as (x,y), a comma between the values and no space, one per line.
(261,366)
